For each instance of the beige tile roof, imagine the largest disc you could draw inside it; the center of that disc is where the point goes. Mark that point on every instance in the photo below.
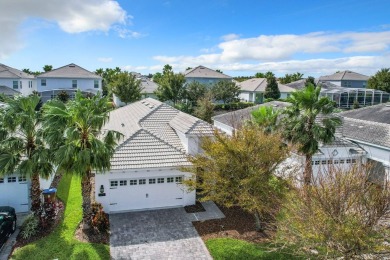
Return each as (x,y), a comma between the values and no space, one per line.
(150,138)
(204,72)
(259,85)
(344,75)
(69,71)
(12,73)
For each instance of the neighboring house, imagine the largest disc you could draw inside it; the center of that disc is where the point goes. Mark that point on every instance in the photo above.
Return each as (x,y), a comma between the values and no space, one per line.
(347,79)
(234,120)
(340,152)
(148,88)
(14,81)
(205,75)
(369,127)
(145,169)
(347,97)
(15,191)
(69,78)
(252,90)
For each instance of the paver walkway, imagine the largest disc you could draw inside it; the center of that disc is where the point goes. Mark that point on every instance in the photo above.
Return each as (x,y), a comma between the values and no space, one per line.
(155,234)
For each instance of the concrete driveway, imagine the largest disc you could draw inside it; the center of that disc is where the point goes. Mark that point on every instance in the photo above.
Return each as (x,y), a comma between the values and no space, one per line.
(155,234)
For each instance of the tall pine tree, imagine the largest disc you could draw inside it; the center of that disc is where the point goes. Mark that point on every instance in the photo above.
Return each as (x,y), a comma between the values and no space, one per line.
(272,89)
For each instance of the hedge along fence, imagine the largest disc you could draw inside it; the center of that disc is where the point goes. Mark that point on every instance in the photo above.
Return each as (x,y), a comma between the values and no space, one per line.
(233,106)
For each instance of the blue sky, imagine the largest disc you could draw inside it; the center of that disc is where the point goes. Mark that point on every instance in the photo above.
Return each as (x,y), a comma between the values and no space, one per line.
(238,37)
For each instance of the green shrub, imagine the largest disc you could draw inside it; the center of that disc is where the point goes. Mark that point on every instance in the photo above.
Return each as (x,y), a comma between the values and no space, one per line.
(30,226)
(233,106)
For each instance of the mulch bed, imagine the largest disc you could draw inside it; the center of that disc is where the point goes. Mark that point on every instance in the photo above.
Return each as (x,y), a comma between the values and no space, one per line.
(91,236)
(238,224)
(198,207)
(42,232)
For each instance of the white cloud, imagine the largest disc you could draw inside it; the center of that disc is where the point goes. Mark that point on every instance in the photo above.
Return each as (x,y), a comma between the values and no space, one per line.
(126,33)
(105,60)
(230,37)
(72,16)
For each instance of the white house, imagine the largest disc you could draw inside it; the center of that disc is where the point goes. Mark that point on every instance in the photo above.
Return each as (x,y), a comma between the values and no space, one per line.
(252,90)
(15,191)
(145,169)
(14,81)
(69,78)
(340,152)
(369,127)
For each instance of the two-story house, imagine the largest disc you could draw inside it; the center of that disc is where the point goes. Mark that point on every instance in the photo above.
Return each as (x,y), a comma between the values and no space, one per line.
(347,79)
(205,75)
(69,78)
(14,82)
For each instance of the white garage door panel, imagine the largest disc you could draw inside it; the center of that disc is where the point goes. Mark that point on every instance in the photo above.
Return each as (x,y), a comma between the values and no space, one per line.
(146,196)
(14,194)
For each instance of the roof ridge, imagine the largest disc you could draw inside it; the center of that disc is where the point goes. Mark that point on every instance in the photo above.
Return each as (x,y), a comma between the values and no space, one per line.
(68,65)
(150,113)
(368,122)
(261,82)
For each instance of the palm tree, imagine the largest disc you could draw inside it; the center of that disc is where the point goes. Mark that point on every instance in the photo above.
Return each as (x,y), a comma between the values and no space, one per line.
(267,118)
(22,147)
(84,146)
(308,122)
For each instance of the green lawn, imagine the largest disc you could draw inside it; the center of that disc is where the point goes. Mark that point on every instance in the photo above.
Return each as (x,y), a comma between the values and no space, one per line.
(61,244)
(228,248)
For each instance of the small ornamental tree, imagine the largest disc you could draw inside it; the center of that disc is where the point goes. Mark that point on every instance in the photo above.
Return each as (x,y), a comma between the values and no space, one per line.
(343,214)
(194,91)
(63,96)
(272,89)
(171,86)
(126,87)
(238,170)
(226,91)
(205,108)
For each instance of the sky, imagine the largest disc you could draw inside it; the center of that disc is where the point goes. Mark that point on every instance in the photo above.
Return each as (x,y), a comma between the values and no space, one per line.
(315,37)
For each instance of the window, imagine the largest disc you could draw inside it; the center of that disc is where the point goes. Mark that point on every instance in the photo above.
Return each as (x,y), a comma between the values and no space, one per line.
(152,181)
(336,162)
(316,162)
(142,181)
(170,179)
(74,83)
(160,180)
(178,179)
(114,184)
(123,183)
(22,179)
(330,161)
(348,160)
(20,84)
(323,162)
(15,84)
(96,83)
(1,180)
(341,161)
(133,182)
(11,179)
(43,82)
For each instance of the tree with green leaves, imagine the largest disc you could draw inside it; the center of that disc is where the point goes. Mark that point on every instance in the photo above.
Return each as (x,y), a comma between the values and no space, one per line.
(47,68)
(108,76)
(272,89)
(238,170)
(308,122)
(76,130)
(264,75)
(205,107)
(267,118)
(226,91)
(220,71)
(127,87)
(288,78)
(23,149)
(194,91)
(310,81)
(171,86)
(380,81)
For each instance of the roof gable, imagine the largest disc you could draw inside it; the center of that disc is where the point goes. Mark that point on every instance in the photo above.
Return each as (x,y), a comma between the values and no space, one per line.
(69,71)
(259,85)
(204,72)
(12,73)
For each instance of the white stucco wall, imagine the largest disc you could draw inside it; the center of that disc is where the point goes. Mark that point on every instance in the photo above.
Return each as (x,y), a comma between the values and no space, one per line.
(244,96)
(225,128)
(131,200)
(66,83)
(23,88)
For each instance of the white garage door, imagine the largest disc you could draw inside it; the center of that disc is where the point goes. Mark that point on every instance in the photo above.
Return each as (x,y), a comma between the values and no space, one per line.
(145,193)
(14,193)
